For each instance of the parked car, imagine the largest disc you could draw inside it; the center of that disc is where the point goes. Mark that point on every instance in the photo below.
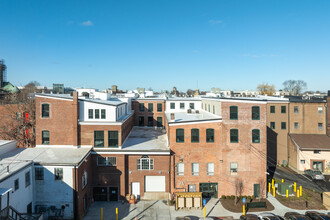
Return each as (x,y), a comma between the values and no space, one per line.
(317,216)
(314,174)
(268,216)
(248,217)
(295,216)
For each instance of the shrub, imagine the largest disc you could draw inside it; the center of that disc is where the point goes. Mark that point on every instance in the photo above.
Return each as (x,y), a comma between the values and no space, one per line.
(232,197)
(171,202)
(253,197)
(223,197)
(249,197)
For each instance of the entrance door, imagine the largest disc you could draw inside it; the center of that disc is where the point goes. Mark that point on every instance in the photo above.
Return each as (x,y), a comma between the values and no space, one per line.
(113,193)
(154,183)
(318,165)
(136,190)
(209,190)
(100,193)
(256,190)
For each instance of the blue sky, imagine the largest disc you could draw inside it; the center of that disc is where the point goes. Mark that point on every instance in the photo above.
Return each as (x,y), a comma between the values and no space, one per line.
(160,44)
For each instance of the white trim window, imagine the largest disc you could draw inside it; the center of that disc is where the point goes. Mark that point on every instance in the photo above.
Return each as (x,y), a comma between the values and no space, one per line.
(210,169)
(145,163)
(180,169)
(106,161)
(195,169)
(84,179)
(233,168)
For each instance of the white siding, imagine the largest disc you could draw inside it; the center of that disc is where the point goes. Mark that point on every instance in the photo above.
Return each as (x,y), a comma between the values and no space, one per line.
(83,111)
(20,198)
(51,192)
(197,104)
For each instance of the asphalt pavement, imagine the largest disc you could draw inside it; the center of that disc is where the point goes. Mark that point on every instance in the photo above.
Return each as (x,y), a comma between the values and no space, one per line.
(291,176)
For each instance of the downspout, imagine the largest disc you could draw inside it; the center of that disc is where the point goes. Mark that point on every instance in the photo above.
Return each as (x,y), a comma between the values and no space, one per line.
(75,194)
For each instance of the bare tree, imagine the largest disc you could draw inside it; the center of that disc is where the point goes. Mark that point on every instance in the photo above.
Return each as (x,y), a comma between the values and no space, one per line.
(238,189)
(263,187)
(294,87)
(265,89)
(190,92)
(18,118)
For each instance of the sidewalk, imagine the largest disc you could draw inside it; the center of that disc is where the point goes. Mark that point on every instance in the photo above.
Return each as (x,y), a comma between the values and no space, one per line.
(151,210)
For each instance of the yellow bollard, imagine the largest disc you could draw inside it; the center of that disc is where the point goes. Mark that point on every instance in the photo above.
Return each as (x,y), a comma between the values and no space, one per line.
(274,191)
(298,194)
(273,183)
(116,213)
(287,193)
(243,209)
(101,213)
(295,187)
(300,190)
(269,187)
(282,180)
(204,212)
(327,169)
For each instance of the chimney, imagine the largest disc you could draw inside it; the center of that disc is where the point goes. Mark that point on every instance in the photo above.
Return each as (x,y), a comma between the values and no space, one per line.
(7,169)
(172,116)
(75,117)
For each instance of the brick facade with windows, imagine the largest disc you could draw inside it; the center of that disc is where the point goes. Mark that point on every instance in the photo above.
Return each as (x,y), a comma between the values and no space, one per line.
(147,113)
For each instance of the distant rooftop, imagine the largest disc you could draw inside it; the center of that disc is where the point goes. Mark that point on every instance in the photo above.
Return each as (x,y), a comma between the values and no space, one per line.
(146,139)
(256,98)
(191,117)
(307,99)
(48,155)
(183,99)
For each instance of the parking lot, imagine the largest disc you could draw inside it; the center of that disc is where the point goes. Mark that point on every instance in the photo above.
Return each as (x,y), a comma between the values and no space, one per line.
(301,179)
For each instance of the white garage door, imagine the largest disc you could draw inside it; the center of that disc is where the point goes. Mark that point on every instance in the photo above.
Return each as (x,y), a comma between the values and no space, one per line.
(155,183)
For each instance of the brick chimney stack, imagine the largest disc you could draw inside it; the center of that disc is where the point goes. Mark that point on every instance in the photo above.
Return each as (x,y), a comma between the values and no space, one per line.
(75,116)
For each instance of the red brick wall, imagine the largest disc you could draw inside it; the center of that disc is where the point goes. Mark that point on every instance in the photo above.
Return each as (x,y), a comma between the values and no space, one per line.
(120,176)
(146,114)
(87,190)
(189,153)
(328,114)
(60,123)
(87,133)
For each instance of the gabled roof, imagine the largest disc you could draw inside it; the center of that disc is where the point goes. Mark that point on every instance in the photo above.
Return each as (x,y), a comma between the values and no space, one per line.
(311,141)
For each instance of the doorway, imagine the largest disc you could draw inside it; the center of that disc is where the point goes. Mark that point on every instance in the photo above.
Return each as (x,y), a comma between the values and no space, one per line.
(113,193)
(100,193)
(136,190)
(256,190)
(209,190)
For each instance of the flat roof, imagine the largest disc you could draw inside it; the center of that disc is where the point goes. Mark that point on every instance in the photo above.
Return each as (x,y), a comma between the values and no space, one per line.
(146,139)
(49,155)
(3,142)
(13,165)
(311,141)
(69,97)
(183,99)
(191,117)
(257,98)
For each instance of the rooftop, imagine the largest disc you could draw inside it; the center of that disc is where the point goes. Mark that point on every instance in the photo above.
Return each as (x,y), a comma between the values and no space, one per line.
(146,139)
(311,141)
(257,98)
(3,142)
(69,97)
(48,155)
(13,166)
(183,99)
(191,117)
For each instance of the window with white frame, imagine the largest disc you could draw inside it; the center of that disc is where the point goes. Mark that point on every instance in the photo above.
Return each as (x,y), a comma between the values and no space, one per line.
(195,169)
(320,126)
(302,161)
(320,110)
(145,163)
(106,161)
(180,169)
(84,179)
(210,169)
(233,168)
(296,125)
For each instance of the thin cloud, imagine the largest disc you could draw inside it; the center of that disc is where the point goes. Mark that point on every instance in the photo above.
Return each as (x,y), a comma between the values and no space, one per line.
(259,56)
(87,23)
(214,22)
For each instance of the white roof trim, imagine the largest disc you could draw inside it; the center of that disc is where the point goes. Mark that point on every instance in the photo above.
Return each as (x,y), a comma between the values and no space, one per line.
(52,97)
(244,101)
(193,122)
(131,152)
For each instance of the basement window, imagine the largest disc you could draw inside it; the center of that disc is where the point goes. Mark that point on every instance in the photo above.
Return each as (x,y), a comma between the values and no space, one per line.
(317,151)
